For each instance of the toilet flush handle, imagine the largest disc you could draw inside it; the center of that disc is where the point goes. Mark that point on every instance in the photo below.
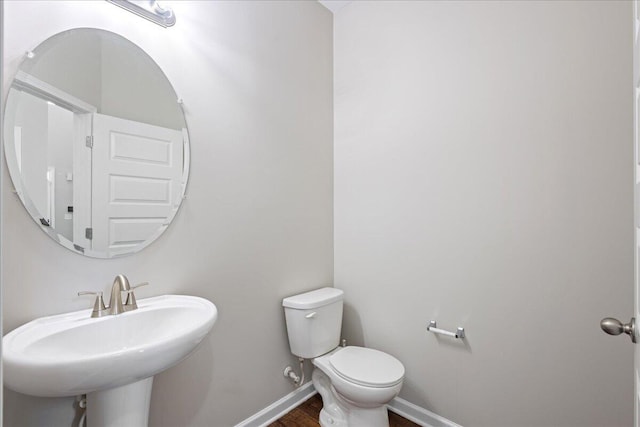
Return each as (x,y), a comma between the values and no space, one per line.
(311,315)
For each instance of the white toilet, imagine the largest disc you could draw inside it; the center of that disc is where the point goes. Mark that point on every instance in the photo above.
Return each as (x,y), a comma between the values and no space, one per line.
(355,383)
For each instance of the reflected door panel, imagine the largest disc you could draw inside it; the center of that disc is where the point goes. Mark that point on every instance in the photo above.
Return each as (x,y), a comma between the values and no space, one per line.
(137,174)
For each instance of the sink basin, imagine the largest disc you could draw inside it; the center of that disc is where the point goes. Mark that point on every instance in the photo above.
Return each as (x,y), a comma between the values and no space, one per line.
(72,354)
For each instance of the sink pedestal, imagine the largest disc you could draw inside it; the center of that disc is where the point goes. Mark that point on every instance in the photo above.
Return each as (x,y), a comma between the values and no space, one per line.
(127,405)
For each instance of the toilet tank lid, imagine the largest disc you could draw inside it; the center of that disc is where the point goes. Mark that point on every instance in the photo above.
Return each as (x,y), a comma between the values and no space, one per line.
(313,299)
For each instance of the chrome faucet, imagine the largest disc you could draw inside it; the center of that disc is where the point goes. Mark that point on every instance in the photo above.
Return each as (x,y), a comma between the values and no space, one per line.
(116,306)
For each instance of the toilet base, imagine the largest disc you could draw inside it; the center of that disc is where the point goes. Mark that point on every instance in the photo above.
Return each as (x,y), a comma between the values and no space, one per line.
(338,412)
(370,417)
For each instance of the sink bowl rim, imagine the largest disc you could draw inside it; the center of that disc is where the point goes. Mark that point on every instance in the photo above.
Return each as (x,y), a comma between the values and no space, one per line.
(68,321)
(182,342)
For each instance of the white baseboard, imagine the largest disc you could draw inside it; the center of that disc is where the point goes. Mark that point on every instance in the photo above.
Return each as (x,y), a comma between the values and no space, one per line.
(292,400)
(418,414)
(277,409)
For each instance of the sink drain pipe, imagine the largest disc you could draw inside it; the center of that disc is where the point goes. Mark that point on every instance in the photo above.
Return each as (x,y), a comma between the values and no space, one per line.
(298,380)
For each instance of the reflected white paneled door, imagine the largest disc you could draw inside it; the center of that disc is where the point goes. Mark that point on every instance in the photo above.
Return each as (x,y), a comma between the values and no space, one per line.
(135,181)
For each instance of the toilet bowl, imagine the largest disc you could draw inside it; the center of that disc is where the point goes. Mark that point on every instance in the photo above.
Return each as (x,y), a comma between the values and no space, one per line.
(355,383)
(361,375)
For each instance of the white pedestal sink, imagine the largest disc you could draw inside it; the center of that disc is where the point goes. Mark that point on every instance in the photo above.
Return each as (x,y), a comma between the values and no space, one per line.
(111,359)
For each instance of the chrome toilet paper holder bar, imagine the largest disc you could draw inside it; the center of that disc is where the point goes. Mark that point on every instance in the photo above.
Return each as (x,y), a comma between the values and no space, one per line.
(459,333)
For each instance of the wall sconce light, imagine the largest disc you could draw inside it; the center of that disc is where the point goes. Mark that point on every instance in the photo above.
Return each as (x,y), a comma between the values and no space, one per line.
(148,9)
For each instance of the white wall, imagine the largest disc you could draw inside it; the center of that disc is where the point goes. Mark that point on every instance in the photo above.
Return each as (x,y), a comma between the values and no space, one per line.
(483,178)
(256,79)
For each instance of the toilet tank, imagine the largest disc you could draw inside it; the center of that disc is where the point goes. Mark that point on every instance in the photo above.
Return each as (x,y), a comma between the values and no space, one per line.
(314,321)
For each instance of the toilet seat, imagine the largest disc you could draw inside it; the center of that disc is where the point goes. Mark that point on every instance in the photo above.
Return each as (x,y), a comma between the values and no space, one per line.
(367,367)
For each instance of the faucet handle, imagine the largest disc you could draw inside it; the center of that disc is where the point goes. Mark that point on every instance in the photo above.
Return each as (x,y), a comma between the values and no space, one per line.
(138,285)
(131,303)
(98,306)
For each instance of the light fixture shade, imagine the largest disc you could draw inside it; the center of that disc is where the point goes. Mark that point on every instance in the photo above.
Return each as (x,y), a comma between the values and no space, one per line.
(148,9)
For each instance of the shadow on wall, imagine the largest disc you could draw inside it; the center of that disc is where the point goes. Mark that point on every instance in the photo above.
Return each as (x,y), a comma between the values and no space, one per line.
(196,377)
(416,389)
(352,326)
(48,408)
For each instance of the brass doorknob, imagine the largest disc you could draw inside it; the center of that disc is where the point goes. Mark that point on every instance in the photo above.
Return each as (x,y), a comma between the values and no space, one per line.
(615,327)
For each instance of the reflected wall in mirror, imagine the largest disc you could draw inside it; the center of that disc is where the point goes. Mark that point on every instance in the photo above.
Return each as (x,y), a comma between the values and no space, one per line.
(96,143)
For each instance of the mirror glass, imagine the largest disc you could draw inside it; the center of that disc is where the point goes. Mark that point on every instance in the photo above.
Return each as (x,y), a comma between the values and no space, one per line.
(96,143)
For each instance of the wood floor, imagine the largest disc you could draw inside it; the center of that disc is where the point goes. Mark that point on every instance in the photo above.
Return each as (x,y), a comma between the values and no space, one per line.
(307,415)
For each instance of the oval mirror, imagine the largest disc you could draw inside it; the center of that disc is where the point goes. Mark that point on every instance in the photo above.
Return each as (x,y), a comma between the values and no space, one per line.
(96,143)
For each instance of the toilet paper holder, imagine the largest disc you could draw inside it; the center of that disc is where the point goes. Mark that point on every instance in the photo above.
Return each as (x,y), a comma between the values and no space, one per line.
(433,327)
